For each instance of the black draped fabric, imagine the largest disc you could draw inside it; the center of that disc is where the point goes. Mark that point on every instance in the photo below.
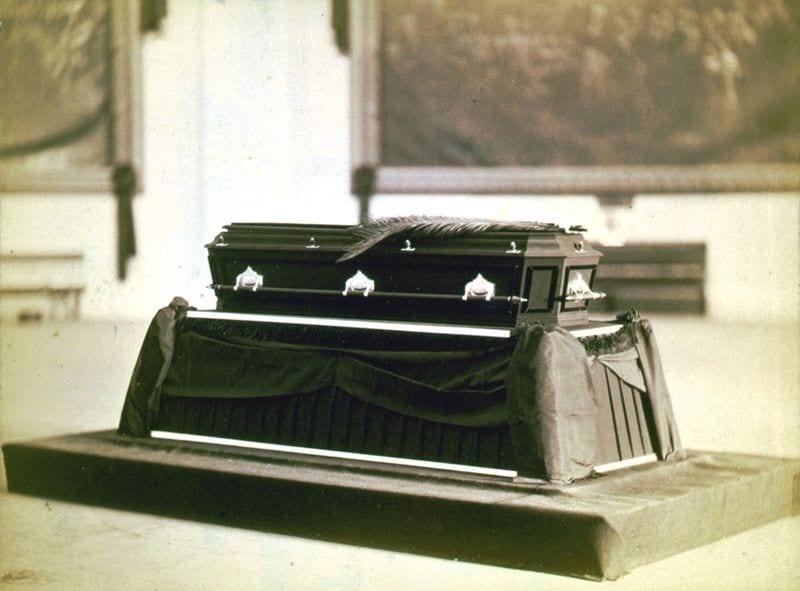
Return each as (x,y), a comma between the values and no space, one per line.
(538,383)
(452,387)
(155,358)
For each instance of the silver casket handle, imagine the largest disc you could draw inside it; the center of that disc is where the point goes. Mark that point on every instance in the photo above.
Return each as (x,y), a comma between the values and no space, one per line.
(578,290)
(479,289)
(358,284)
(248,279)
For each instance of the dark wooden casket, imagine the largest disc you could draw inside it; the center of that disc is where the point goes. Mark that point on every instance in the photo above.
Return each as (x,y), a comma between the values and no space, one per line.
(425,271)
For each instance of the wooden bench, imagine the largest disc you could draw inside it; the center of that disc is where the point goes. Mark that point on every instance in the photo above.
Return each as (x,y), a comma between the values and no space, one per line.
(39,285)
(653,278)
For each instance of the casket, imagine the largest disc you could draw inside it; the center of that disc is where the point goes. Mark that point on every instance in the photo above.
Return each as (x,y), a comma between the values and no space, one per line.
(416,270)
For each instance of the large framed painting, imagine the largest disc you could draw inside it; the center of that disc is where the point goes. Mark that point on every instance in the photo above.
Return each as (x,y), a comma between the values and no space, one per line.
(69,93)
(576,96)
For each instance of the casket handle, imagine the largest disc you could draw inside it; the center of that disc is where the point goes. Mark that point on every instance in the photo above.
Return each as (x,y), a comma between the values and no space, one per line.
(299,291)
(358,284)
(248,279)
(479,289)
(578,290)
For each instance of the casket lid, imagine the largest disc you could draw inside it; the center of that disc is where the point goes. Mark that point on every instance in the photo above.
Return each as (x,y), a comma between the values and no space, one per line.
(375,232)
(439,235)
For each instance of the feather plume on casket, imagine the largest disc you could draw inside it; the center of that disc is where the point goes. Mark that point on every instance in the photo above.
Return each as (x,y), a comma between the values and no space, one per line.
(376,231)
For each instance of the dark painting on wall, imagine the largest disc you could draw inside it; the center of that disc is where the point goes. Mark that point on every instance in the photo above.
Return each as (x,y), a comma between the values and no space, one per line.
(593,95)
(67,93)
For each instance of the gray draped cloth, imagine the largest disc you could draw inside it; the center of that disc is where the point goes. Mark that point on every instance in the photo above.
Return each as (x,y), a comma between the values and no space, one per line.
(552,401)
(538,383)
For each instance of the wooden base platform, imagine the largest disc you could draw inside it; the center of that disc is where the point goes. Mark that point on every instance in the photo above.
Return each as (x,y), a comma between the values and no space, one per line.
(598,529)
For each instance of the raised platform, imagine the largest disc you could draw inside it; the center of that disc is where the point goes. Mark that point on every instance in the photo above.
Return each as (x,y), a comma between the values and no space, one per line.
(598,528)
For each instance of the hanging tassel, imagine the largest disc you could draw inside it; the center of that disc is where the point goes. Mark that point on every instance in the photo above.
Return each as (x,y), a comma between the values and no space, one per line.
(124,187)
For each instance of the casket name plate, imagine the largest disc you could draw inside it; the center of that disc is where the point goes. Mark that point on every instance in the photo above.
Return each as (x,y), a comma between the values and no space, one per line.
(410,269)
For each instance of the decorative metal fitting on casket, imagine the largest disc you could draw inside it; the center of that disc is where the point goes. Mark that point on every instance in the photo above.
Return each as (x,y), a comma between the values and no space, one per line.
(578,290)
(478,289)
(248,279)
(358,284)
